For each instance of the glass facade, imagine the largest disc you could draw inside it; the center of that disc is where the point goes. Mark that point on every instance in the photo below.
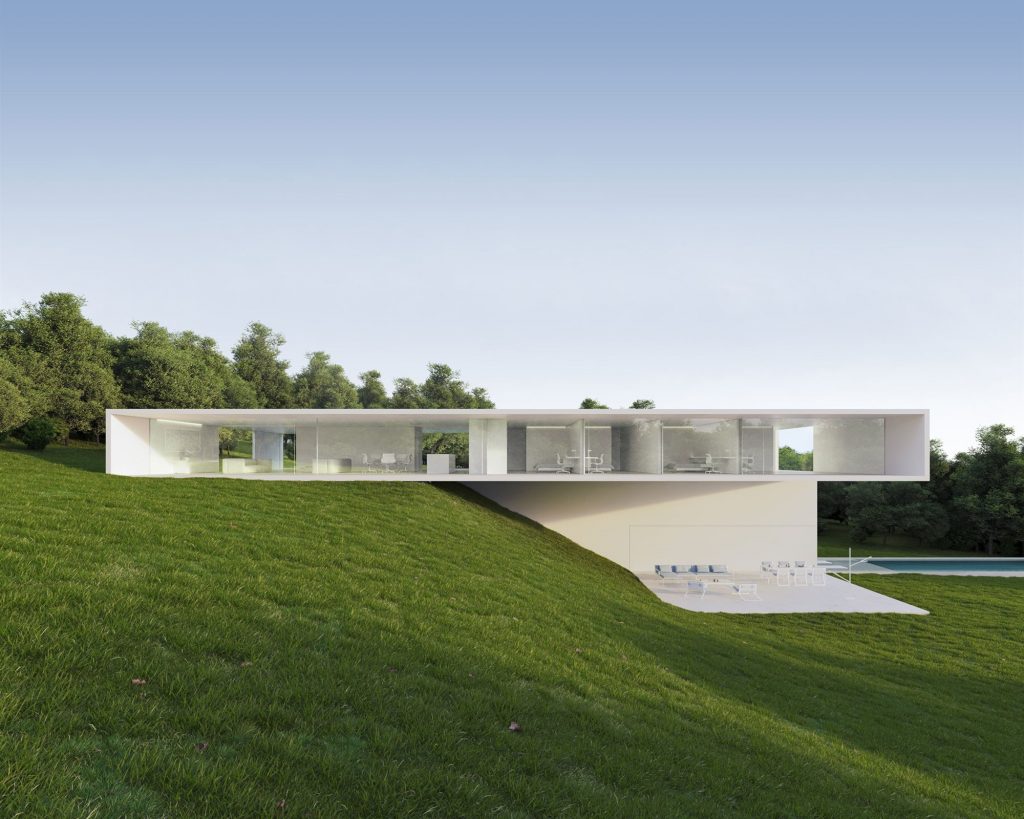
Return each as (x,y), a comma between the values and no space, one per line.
(562,445)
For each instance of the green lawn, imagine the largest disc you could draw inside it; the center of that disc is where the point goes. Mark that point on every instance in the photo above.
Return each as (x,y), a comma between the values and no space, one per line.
(361,648)
(835,541)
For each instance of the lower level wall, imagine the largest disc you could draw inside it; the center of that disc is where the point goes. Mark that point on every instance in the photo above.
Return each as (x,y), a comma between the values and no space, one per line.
(638,525)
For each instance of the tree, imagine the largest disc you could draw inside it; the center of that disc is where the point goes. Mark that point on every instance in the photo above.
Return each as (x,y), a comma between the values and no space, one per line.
(832,502)
(642,404)
(323,385)
(592,403)
(67,357)
(16,405)
(406,395)
(792,460)
(37,433)
(988,492)
(895,508)
(258,362)
(371,392)
(481,400)
(158,368)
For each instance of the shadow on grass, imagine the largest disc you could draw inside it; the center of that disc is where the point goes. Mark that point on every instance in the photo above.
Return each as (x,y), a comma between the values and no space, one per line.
(86,459)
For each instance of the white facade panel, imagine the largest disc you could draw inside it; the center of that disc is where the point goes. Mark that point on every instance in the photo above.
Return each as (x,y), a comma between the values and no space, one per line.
(127,444)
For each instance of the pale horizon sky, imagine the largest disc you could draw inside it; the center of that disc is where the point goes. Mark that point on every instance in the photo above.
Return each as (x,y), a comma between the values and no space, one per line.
(737,204)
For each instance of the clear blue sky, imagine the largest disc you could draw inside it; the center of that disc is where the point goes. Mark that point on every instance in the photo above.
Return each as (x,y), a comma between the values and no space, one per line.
(708,204)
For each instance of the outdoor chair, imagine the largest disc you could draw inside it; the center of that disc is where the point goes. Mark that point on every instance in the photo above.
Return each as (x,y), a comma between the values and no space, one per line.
(766,570)
(782,573)
(800,576)
(747,592)
(696,586)
(818,576)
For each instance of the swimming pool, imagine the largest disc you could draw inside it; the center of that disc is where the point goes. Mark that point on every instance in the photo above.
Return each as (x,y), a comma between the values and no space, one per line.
(943,565)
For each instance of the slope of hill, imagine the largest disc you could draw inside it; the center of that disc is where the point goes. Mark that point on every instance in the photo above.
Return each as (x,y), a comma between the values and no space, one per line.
(217,647)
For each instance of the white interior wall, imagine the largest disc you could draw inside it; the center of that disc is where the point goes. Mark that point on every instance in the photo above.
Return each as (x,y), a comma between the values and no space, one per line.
(756,444)
(641,447)
(543,444)
(488,447)
(516,457)
(599,442)
(268,446)
(352,441)
(497,447)
(179,448)
(850,446)
(638,525)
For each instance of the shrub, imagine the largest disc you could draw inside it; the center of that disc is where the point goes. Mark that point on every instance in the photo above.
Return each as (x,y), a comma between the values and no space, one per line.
(37,433)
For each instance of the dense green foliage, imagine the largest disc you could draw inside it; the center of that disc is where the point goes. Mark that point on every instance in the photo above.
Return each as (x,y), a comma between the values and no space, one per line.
(974,502)
(214,647)
(158,368)
(37,433)
(56,364)
(791,460)
(323,385)
(62,362)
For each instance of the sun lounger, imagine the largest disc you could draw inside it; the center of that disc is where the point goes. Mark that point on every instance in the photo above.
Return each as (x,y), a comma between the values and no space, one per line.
(696,586)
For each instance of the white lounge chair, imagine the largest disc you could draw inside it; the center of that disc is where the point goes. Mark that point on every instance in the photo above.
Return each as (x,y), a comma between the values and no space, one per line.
(818,576)
(783,574)
(766,569)
(696,586)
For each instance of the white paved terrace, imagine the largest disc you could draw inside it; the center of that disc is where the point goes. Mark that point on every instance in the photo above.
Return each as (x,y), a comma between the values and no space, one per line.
(835,596)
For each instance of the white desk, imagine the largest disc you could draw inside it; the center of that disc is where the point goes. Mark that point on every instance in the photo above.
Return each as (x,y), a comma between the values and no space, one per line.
(440,464)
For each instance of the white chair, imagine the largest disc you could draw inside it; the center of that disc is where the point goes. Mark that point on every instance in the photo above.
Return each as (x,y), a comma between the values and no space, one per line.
(709,464)
(696,586)
(388,461)
(368,465)
(404,463)
(818,576)
(766,570)
(747,592)
(782,573)
(800,576)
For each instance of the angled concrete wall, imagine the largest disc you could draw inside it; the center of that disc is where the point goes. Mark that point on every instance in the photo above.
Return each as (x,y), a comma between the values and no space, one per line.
(638,525)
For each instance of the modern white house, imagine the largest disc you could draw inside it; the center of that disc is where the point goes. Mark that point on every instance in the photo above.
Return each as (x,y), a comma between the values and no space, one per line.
(640,487)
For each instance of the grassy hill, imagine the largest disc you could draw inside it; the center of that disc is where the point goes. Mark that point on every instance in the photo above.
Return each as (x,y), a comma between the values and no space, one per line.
(322,649)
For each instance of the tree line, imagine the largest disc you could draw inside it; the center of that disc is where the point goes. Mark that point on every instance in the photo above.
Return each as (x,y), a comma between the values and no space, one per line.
(59,372)
(974,501)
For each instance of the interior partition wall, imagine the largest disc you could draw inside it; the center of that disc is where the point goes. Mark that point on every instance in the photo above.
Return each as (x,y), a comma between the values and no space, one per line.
(758,450)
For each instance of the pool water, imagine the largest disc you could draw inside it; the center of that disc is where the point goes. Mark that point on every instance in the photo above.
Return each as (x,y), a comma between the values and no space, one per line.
(969,564)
